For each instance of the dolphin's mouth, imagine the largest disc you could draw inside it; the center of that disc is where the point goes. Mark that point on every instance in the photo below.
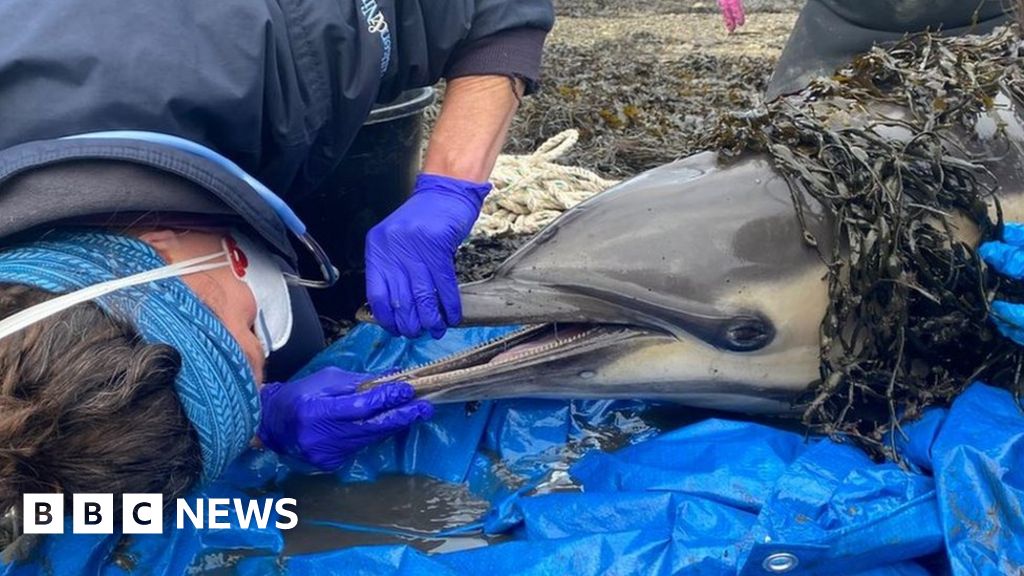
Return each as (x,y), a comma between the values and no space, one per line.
(529,345)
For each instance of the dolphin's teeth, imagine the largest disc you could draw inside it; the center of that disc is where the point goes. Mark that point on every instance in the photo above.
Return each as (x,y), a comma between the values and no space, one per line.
(425,381)
(496,352)
(460,357)
(556,342)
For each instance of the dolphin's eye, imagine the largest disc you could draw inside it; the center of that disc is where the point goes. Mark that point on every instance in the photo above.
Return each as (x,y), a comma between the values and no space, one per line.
(746,334)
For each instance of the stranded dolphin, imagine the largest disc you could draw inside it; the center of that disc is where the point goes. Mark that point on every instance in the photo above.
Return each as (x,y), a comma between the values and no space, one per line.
(690,283)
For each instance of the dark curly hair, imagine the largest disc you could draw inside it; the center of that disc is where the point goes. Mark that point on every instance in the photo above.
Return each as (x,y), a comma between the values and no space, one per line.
(87,406)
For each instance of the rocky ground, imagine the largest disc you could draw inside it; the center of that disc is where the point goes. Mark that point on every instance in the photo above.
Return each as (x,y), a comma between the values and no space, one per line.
(642,86)
(616,8)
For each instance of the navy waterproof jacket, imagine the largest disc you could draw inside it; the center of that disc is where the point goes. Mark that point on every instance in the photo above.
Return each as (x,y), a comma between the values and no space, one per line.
(278,86)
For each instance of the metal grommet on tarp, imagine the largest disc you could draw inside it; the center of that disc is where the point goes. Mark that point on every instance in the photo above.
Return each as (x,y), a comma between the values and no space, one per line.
(772,556)
(780,563)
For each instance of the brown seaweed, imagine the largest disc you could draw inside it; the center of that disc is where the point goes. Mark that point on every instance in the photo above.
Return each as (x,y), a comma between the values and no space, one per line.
(634,109)
(614,8)
(907,325)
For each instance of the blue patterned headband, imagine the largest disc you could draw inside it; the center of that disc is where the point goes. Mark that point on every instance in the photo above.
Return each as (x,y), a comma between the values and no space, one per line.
(215,385)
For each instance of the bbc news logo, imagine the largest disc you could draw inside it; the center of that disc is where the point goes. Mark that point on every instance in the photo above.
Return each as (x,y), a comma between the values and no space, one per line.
(143,513)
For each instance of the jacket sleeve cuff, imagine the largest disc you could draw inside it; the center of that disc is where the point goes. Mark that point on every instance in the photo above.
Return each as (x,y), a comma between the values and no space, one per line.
(515,53)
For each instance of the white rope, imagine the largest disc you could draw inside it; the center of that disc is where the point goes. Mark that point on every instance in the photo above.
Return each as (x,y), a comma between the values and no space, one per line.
(531,191)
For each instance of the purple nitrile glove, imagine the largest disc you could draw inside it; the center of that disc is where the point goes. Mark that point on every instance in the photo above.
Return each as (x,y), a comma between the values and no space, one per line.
(322,420)
(1006,256)
(732,13)
(410,256)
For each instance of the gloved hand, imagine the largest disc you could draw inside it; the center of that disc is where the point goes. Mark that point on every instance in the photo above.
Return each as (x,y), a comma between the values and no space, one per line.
(1007,258)
(322,420)
(410,256)
(732,12)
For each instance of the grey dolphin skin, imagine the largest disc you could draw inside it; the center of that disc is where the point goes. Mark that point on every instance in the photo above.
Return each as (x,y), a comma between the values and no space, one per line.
(689,283)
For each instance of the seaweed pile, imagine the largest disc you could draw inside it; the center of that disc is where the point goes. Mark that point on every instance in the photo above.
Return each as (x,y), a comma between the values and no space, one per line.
(634,109)
(907,325)
(615,7)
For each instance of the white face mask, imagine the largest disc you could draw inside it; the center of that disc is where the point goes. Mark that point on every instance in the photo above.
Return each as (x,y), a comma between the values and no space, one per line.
(247,259)
(252,264)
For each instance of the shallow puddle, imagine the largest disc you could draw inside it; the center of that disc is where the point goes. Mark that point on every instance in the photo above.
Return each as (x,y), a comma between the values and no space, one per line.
(392,510)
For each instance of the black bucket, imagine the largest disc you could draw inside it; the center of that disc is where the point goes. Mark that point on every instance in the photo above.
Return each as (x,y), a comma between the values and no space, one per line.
(373,179)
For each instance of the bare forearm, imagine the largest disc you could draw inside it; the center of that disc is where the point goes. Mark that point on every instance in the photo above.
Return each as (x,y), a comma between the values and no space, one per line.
(472,127)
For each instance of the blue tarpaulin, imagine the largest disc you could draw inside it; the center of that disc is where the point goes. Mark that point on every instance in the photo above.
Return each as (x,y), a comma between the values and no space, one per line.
(719,496)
